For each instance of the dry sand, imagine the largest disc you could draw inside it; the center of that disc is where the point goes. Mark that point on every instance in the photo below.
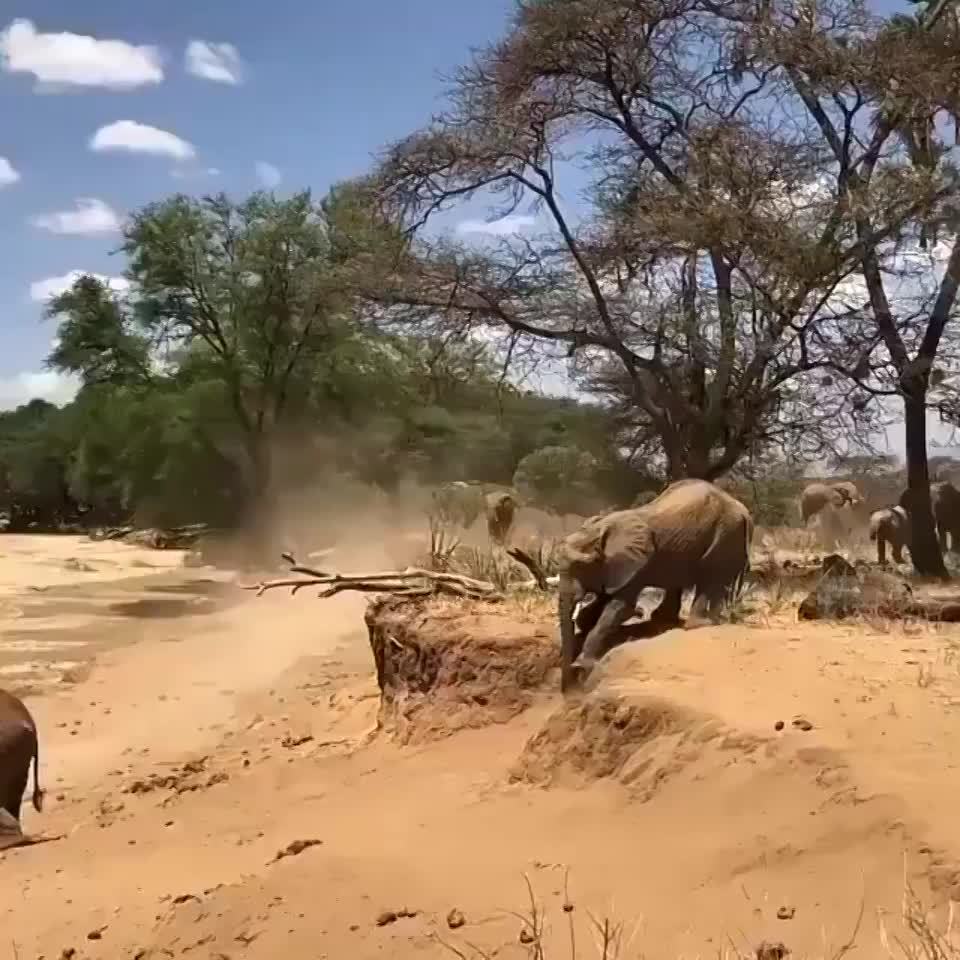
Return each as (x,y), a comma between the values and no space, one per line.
(184,763)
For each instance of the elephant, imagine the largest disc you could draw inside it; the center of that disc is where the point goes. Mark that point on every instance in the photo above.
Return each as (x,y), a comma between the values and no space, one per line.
(827,502)
(692,535)
(458,503)
(945,503)
(890,525)
(18,747)
(500,509)
(816,496)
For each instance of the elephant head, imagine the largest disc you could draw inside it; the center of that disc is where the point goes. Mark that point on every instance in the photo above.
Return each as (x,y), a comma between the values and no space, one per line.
(849,494)
(602,557)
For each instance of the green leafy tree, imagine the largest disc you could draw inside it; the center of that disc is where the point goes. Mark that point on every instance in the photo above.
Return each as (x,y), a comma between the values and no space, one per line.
(560,479)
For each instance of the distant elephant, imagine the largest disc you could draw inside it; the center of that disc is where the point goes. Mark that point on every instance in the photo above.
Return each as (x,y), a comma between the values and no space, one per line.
(832,504)
(816,496)
(458,503)
(500,509)
(692,535)
(890,525)
(945,503)
(18,747)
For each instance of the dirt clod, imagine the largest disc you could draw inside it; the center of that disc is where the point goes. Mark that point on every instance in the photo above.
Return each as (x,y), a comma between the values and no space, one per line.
(786,913)
(295,849)
(455,919)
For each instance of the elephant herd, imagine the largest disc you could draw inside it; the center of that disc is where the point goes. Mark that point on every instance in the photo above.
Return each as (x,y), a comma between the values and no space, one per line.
(889,525)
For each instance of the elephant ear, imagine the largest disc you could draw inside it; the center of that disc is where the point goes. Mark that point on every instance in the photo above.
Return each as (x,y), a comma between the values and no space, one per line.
(627,549)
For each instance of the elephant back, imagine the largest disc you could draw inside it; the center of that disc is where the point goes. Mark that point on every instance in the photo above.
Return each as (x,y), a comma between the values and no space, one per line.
(12,708)
(695,517)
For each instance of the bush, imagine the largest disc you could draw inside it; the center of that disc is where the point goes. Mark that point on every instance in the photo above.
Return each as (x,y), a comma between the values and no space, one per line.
(559,479)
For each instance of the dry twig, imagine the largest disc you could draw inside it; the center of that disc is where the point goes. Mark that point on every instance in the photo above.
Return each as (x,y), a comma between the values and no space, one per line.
(411,582)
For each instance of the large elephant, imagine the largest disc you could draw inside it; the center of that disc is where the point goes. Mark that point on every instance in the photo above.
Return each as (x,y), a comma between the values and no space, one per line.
(945,502)
(500,508)
(890,525)
(18,747)
(692,535)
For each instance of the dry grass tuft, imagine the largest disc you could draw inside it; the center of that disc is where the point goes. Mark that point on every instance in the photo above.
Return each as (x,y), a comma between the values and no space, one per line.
(606,939)
(447,553)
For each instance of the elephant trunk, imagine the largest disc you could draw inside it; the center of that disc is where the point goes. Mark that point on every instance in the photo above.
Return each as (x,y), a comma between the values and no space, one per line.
(567,601)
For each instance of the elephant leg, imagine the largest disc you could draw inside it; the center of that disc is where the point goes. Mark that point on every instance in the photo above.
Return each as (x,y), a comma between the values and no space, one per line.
(882,551)
(16,752)
(617,609)
(703,602)
(709,601)
(588,615)
(11,793)
(668,611)
(897,552)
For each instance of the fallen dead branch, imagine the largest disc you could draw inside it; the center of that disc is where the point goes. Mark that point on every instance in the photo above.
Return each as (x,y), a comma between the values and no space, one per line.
(411,582)
(531,563)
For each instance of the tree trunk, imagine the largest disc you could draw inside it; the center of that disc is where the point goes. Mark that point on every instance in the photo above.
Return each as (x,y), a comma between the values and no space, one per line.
(261,515)
(924,547)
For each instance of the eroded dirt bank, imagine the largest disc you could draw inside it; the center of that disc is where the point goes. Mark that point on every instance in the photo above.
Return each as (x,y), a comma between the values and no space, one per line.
(667,794)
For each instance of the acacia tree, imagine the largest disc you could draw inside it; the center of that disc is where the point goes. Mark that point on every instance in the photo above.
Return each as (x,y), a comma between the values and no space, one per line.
(874,93)
(696,285)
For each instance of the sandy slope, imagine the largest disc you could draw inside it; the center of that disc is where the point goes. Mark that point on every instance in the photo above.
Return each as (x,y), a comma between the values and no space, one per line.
(717,823)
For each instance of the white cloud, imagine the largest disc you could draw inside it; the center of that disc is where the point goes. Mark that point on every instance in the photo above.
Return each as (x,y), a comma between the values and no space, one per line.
(42,290)
(219,62)
(75,60)
(58,388)
(268,174)
(91,216)
(505,226)
(140,138)
(7,173)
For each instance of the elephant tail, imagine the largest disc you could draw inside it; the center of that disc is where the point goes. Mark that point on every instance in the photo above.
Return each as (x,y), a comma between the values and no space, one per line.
(37,792)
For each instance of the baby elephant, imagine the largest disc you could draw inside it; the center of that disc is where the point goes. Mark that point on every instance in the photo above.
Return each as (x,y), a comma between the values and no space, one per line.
(18,746)
(890,525)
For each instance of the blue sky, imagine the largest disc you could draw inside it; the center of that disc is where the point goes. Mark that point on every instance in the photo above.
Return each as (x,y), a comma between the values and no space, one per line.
(322,87)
